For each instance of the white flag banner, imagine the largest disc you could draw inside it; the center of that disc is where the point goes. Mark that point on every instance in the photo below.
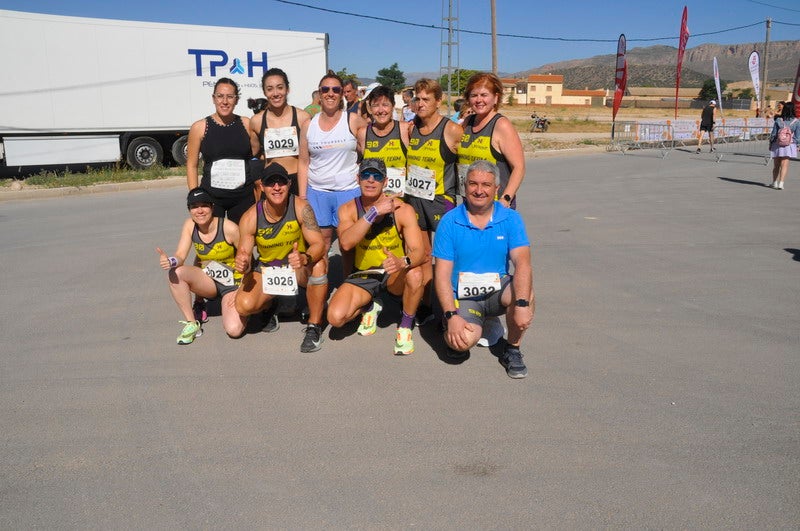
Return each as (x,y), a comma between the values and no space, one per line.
(716,81)
(754,66)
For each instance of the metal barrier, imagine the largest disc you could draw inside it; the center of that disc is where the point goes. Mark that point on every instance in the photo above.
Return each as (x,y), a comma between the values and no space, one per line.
(745,140)
(640,135)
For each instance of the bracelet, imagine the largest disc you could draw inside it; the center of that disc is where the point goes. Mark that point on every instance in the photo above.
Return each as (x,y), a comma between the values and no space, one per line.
(371,215)
(173,262)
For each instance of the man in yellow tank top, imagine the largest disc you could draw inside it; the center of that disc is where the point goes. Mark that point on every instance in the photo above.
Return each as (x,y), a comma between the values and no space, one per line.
(389,249)
(285,231)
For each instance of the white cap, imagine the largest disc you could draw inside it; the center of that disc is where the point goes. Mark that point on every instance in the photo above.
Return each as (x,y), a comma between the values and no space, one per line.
(370,87)
(712,102)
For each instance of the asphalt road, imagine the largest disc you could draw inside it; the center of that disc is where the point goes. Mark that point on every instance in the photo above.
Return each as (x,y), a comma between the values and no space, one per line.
(663,386)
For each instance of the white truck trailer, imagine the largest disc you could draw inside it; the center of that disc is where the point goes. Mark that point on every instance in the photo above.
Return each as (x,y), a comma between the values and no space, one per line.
(79,90)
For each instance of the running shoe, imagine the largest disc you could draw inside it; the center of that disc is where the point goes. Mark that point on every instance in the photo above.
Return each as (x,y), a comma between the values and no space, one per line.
(191,330)
(404,344)
(199,309)
(512,361)
(271,323)
(313,339)
(369,320)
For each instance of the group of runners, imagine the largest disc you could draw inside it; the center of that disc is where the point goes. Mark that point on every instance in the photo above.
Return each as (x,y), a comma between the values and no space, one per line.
(285,184)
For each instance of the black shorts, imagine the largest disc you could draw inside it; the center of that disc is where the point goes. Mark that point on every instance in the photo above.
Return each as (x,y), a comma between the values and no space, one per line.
(372,283)
(233,207)
(430,212)
(708,128)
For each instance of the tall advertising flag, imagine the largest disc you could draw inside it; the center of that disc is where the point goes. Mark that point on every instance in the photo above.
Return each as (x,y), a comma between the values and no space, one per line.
(716,82)
(753,64)
(620,79)
(796,93)
(684,38)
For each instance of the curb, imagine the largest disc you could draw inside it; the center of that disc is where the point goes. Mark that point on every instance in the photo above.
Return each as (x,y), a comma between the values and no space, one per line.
(42,193)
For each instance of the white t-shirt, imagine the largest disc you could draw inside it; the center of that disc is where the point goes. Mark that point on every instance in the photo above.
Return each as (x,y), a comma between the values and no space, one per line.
(333,159)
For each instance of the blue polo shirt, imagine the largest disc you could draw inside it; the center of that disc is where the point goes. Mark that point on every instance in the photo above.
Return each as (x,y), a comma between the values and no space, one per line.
(477,250)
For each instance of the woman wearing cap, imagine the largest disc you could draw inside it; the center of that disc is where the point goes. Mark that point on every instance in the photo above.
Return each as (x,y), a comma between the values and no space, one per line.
(488,135)
(224,142)
(213,239)
(275,132)
(328,161)
(386,138)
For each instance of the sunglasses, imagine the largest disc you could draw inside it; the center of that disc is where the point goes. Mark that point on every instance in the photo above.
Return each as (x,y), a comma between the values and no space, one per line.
(336,90)
(272,181)
(377,176)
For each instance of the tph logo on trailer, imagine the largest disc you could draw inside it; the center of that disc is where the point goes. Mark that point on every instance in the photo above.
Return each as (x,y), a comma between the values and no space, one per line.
(218,59)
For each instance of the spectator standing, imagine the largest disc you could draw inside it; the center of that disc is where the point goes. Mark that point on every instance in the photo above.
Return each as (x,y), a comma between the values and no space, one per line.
(707,117)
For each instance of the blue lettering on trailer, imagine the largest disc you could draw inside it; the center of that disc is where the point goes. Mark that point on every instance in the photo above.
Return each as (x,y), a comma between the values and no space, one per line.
(218,58)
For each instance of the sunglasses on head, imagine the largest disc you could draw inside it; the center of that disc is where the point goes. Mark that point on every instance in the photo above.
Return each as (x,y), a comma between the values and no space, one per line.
(275,179)
(325,90)
(376,175)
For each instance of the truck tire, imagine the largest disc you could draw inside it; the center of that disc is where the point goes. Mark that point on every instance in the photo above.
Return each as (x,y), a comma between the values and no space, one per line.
(180,150)
(144,152)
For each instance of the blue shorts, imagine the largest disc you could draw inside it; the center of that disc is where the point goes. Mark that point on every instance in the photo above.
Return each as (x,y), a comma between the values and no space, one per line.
(325,204)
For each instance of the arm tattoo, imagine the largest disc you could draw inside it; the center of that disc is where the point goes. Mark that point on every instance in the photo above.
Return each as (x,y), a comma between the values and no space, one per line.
(309,219)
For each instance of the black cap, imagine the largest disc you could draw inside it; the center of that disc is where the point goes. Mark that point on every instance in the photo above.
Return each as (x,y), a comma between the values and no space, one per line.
(198,195)
(274,170)
(373,164)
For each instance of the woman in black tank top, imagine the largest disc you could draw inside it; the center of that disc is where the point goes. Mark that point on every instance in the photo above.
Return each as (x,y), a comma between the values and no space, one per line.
(223,140)
(275,132)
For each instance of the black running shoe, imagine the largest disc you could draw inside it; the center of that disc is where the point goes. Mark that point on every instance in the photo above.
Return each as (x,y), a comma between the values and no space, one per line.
(271,323)
(512,361)
(313,339)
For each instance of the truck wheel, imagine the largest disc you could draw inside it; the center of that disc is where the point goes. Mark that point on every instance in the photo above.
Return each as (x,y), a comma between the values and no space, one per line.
(180,150)
(144,152)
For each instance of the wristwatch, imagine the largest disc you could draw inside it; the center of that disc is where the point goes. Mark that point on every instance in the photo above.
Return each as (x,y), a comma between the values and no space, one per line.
(508,198)
(448,315)
(407,261)
(521,302)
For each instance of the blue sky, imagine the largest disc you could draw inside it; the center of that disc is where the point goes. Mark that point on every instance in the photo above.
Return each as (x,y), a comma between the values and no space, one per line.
(364,46)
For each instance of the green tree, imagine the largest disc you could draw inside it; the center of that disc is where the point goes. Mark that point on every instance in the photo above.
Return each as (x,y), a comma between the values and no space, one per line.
(709,89)
(746,94)
(345,76)
(392,77)
(459,81)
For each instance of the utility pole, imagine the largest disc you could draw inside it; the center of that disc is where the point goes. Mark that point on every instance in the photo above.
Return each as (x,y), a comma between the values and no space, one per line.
(450,43)
(494,37)
(766,64)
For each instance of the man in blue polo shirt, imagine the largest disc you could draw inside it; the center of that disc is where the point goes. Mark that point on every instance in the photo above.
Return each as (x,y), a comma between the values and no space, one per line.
(473,246)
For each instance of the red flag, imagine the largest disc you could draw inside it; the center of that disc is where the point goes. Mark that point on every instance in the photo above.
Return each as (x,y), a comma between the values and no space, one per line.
(796,93)
(620,76)
(684,38)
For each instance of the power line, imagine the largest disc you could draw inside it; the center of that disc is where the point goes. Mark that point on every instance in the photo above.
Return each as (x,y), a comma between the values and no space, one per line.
(516,36)
(776,7)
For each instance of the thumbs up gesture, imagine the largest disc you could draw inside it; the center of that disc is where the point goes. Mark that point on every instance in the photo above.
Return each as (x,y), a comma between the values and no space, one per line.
(164,260)
(392,263)
(295,258)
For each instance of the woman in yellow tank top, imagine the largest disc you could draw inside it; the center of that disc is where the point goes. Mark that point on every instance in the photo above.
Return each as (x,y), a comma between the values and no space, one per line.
(213,239)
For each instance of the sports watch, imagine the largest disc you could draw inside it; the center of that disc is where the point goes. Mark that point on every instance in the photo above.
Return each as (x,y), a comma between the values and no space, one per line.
(508,198)
(448,315)
(521,302)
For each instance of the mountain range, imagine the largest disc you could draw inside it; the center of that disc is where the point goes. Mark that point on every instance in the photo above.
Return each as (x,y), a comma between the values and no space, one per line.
(654,66)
